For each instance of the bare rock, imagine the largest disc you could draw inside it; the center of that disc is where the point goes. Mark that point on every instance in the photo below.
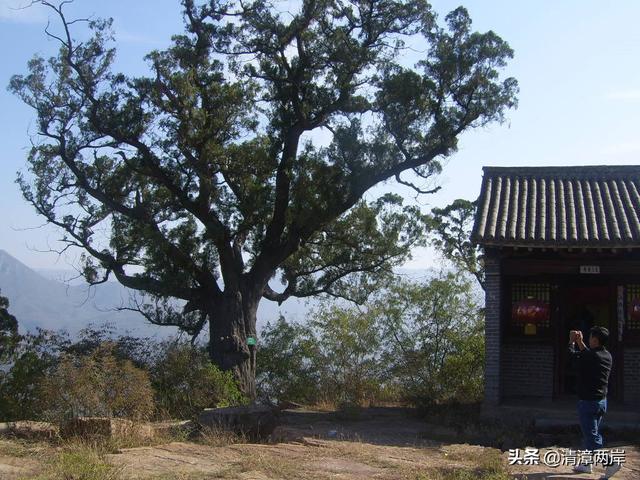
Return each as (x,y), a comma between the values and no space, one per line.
(288,405)
(256,422)
(29,430)
(105,427)
(174,428)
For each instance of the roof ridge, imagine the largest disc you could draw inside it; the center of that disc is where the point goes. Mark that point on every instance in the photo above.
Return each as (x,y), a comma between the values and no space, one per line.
(555,169)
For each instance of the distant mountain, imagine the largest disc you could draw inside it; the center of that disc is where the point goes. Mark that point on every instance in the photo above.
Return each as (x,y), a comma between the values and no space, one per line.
(42,299)
(37,301)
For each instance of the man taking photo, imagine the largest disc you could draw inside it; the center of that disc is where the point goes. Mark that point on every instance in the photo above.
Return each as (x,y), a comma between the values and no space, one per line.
(594,366)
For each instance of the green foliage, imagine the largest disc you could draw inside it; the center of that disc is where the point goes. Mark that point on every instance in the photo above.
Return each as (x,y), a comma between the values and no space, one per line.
(287,366)
(416,342)
(97,384)
(369,239)
(462,373)
(334,359)
(8,329)
(450,229)
(205,175)
(349,361)
(50,377)
(186,382)
(436,338)
(34,357)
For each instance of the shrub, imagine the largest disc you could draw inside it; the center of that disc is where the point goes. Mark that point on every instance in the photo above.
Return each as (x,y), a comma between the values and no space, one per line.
(334,359)
(434,339)
(414,342)
(287,366)
(8,330)
(34,357)
(349,361)
(98,384)
(462,373)
(186,382)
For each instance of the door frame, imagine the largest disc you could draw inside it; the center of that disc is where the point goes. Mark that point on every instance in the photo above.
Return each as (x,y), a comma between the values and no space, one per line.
(564,284)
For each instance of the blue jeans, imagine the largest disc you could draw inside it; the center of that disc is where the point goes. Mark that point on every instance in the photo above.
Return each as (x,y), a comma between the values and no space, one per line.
(590,413)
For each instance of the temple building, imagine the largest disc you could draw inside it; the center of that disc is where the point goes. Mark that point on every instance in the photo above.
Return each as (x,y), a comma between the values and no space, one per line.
(561,252)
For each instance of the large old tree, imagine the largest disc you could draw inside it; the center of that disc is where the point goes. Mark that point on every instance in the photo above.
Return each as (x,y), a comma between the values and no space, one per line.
(246,152)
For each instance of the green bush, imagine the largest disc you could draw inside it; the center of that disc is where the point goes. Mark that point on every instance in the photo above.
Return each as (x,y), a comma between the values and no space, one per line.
(8,330)
(186,382)
(414,342)
(434,339)
(349,359)
(462,373)
(32,360)
(97,384)
(334,359)
(287,364)
(48,376)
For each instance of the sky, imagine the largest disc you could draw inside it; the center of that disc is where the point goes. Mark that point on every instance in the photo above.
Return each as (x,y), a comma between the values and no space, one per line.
(576,62)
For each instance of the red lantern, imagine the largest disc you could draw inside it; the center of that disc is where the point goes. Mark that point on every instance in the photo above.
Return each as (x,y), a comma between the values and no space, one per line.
(634,310)
(530,311)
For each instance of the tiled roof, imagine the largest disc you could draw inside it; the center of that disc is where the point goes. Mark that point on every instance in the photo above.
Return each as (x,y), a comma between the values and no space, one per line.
(592,206)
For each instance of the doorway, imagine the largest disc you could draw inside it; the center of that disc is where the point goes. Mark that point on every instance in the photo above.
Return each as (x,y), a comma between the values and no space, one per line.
(583,306)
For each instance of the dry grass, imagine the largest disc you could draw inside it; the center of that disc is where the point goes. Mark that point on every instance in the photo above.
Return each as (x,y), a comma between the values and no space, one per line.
(219,437)
(82,458)
(77,460)
(21,448)
(323,406)
(489,466)
(268,465)
(459,465)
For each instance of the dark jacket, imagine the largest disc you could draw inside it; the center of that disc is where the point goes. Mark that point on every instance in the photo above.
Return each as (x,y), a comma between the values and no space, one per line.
(594,366)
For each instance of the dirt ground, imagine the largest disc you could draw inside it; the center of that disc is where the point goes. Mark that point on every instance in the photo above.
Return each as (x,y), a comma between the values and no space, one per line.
(312,445)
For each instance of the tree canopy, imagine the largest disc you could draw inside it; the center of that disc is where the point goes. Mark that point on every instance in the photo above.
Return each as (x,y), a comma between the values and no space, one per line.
(450,228)
(246,151)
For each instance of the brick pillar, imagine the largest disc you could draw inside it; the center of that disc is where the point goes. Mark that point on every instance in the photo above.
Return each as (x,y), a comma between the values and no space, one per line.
(631,371)
(492,394)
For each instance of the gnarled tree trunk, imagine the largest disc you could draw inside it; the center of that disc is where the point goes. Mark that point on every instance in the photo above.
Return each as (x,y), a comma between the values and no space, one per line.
(231,322)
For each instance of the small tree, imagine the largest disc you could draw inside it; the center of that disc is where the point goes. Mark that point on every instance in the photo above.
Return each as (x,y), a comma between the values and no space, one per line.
(289,369)
(8,330)
(349,360)
(434,337)
(207,174)
(413,341)
(35,356)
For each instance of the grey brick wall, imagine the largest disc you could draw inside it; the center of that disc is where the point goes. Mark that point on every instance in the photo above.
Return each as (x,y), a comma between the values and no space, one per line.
(492,394)
(632,376)
(527,370)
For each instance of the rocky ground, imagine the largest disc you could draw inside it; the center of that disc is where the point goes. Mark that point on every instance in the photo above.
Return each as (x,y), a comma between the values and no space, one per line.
(381,444)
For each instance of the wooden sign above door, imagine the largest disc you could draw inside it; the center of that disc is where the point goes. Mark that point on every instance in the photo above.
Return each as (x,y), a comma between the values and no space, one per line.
(593,269)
